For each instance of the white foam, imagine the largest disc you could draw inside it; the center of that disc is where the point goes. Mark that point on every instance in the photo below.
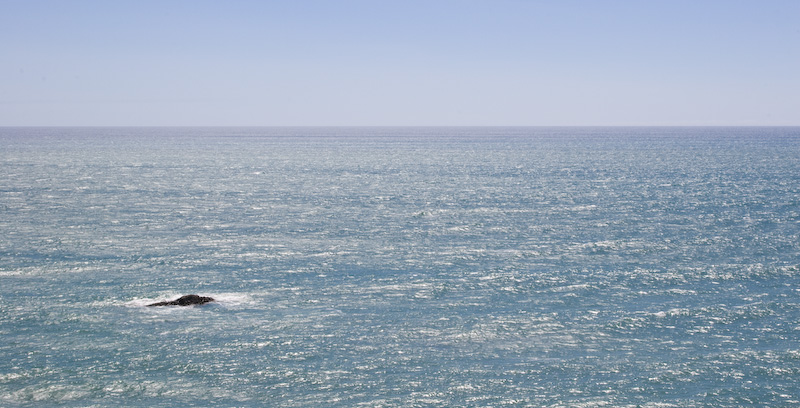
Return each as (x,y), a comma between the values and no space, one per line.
(140,302)
(232,299)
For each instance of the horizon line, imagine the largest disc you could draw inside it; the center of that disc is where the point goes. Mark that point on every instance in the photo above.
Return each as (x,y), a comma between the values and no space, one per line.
(399,126)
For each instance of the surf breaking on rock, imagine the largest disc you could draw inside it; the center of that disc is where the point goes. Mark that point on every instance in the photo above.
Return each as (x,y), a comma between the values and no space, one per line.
(186,300)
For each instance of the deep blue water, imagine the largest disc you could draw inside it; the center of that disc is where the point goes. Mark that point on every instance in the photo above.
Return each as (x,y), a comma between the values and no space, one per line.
(400,267)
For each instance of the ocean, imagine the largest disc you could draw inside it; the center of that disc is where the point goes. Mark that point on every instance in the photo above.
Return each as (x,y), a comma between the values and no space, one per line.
(400,267)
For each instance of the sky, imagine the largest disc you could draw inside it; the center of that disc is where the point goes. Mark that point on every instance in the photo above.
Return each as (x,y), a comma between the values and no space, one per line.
(400,63)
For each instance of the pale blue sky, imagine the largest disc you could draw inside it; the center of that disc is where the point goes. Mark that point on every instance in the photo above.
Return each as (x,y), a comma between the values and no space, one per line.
(347,62)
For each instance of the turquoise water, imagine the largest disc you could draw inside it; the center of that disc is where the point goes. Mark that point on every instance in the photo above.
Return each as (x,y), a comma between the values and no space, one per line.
(400,267)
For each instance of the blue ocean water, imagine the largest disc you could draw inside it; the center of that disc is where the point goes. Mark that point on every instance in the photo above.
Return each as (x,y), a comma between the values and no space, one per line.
(400,267)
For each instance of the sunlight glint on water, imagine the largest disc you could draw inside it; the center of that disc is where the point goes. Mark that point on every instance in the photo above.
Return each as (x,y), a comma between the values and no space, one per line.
(400,267)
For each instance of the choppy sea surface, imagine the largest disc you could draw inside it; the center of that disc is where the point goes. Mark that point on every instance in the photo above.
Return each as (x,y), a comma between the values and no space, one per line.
(400,267)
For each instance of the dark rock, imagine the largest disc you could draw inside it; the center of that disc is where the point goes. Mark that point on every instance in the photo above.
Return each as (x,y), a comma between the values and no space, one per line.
(186,300)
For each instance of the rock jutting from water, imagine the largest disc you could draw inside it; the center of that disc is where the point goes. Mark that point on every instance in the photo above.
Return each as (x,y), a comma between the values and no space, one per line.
(186,300)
